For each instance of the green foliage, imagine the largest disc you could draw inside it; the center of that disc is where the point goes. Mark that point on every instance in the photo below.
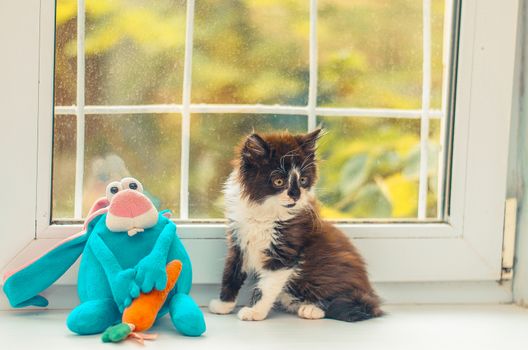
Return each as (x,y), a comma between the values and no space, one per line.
(371,166)
(371,203)
(354,173)
(248,51)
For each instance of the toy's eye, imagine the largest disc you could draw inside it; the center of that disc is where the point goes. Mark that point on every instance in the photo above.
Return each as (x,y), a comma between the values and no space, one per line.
(278,182)
(303,180)
(112,189)
(131,183)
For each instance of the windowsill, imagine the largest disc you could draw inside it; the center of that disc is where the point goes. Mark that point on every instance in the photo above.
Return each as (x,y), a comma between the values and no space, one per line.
(405,327)
(64,296)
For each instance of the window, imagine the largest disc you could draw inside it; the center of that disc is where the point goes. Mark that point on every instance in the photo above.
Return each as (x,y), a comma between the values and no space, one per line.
(163,91)
(460,238)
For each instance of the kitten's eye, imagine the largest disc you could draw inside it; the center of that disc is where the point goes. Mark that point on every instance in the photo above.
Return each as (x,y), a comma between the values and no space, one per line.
(303,180)
(278,182)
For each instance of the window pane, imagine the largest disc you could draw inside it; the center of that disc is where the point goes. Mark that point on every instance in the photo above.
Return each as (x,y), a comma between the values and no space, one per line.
(435,171)
(370,53)
(251,52)
(146,147)
(370,168)
(437,52)
(65,53)
(213,141)
(134,51)
(64,140)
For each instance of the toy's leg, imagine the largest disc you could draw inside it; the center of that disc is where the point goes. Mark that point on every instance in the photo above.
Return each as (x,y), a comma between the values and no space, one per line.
(186,315)
(93,316)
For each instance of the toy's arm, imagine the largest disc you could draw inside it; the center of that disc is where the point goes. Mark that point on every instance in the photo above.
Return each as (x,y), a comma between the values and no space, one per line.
(185,280)
(122,284)
(150,271)
(163,244)
(105,256)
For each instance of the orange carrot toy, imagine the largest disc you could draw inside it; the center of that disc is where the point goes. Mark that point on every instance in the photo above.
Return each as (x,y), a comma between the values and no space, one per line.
(142,313)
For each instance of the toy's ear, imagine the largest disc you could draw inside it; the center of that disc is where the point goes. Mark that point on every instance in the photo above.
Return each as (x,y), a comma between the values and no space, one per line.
(98,208)
(22,286)
(101,203)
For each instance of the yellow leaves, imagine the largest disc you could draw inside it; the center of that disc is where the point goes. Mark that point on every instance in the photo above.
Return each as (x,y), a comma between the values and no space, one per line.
(110,21)
(405,143)
(151,30)
(401,143)
(269,84)
(213,73)
(66,10)
(402,193)
(331,213)
(98,8)
(101,40)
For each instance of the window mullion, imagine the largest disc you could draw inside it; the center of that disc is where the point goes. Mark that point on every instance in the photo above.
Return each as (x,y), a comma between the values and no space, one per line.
(312,88)
(79,161)
(186,113)
(253,109)
(426,96)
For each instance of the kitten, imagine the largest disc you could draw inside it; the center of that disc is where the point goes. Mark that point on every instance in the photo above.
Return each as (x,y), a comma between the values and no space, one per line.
(302,264)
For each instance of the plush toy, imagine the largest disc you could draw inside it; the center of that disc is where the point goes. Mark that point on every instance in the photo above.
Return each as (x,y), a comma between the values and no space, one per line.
(125,245)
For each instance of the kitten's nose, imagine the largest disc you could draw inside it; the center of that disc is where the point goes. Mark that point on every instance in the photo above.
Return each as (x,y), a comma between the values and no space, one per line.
(294,192)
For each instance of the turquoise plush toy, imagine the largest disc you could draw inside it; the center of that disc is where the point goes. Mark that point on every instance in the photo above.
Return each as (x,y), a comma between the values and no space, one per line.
(125,246)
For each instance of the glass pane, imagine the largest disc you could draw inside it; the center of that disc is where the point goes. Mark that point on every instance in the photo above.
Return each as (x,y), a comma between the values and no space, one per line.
(435,171)
(370,168)
(213,141)
(64,140)
(437,52)
(370,53)
(134,51)
(146,147)
(65,53)
(251,52)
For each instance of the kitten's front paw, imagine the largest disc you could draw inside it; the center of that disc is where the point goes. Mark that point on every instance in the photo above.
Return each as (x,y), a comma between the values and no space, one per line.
(220,307)
(251,314)
(310,312)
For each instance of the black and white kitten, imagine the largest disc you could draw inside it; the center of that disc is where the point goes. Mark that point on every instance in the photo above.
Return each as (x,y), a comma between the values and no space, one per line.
(302,264)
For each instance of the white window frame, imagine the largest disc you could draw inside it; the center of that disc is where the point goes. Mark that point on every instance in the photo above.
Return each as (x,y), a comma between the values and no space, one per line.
(467,247)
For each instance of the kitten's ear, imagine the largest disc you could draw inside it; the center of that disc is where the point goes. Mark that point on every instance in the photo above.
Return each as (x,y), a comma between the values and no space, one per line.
(308,141)
(255,148)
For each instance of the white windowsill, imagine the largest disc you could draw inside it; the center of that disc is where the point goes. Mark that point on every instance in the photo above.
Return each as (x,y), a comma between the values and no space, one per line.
(405,327)
(64,296)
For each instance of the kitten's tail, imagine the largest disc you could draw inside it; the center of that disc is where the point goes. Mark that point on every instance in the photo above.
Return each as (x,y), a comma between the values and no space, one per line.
(353,310)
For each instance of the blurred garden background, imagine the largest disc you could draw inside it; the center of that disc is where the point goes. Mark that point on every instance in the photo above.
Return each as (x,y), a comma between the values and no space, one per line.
(248,52)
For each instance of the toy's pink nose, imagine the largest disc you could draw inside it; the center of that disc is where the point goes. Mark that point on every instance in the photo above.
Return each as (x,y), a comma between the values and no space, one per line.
(129,203)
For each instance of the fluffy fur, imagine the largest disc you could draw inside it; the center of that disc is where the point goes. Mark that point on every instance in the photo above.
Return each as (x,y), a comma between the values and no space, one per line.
(302,263)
